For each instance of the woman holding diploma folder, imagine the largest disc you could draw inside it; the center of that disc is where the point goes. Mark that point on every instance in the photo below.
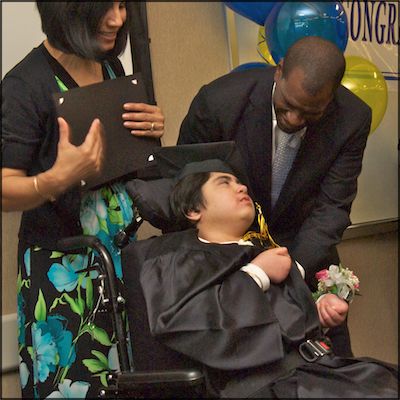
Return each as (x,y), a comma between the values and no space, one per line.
(66,347)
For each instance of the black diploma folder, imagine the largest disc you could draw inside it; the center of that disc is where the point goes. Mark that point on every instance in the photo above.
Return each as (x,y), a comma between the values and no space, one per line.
(124,154)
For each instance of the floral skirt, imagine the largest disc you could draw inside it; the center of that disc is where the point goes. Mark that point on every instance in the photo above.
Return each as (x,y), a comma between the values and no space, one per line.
(66,343)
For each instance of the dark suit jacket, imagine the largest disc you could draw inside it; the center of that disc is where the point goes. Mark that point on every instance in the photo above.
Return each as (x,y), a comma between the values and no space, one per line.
(313,209)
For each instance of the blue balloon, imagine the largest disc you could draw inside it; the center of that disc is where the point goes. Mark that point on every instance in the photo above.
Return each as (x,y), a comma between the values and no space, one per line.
(253,10)
(250,65)
(289,21)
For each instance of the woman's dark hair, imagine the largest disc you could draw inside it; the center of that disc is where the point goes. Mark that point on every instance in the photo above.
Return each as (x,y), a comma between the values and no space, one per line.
(71,26)
(187,196)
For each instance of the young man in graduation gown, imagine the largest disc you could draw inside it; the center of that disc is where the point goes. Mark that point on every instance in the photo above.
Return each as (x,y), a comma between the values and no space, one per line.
(327,126)
(209,297)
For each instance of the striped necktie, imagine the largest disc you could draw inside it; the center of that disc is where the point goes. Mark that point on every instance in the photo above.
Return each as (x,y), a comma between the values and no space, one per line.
(284,156)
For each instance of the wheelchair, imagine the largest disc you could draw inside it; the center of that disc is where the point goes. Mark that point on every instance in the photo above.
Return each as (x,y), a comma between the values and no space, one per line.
(153,370)
(132,381)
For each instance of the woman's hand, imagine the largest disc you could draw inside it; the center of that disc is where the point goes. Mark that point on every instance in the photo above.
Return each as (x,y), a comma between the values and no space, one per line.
(332,310)
(76,163)
(73,164)
(143,119)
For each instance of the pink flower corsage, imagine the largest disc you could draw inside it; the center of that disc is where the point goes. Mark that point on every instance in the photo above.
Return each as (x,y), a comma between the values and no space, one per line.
(337,280)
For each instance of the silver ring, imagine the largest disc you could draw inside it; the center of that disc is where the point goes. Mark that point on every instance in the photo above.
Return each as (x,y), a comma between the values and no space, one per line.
(83,183)
(152,127)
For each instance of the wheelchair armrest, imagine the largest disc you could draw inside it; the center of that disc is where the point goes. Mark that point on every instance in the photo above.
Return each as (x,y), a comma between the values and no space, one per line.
(77,243)
(179,377)
(182,383)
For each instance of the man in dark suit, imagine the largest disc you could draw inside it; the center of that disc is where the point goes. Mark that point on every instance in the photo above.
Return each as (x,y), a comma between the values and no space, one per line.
(300,102)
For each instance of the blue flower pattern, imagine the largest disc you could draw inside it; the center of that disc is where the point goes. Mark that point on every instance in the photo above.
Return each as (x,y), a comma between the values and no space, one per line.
(44,353)
(56,326)
(105,225)
(54,335)
(90,221)
(27,261)
(70,390)
(65,277)
(23,373)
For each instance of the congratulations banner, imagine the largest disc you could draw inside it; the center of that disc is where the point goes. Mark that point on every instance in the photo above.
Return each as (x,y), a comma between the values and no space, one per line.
(374,33)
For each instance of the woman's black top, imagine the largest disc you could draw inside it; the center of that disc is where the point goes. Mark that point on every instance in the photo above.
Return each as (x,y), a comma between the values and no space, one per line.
(30,137)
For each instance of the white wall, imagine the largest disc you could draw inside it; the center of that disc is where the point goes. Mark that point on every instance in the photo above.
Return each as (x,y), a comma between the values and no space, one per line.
(21,31)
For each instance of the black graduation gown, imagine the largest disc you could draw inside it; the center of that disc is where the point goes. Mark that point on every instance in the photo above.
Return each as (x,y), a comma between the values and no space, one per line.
(201,305)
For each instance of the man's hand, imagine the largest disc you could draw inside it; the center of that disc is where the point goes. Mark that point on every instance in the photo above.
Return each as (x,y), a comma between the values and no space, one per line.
(276,263)
(332,310)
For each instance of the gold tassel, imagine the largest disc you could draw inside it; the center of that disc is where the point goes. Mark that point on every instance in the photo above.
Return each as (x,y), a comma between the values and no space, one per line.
(263,236)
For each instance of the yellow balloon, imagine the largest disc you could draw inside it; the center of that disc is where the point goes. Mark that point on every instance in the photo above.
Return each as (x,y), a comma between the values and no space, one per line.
(262,47)
(365,80)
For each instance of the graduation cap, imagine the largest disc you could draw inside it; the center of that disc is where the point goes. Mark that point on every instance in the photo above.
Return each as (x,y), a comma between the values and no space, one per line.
(186,159)
(176,162)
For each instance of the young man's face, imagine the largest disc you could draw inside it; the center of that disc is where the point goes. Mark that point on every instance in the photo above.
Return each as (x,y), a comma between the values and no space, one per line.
(226,204)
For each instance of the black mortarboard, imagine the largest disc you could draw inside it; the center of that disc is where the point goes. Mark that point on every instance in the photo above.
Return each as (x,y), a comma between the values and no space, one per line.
(174,163)
(186,159)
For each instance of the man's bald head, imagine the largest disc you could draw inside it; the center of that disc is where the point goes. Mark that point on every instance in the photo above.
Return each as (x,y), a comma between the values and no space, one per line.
(321,61)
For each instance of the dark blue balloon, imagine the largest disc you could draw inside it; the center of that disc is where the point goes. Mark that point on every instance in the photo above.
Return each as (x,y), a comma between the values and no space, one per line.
(253,10)
(249,65)
(289,21)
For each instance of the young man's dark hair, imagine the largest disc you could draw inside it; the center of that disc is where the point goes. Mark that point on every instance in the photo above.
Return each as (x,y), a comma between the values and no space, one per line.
(71,26)
(187,196)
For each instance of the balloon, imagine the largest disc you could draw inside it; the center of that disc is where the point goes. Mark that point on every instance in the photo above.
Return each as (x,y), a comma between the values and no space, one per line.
(249,65)
(253,10)
(262,47)
(365,80)
(289,21)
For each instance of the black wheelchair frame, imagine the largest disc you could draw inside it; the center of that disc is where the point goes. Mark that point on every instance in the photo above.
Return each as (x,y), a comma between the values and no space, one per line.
(128,383)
